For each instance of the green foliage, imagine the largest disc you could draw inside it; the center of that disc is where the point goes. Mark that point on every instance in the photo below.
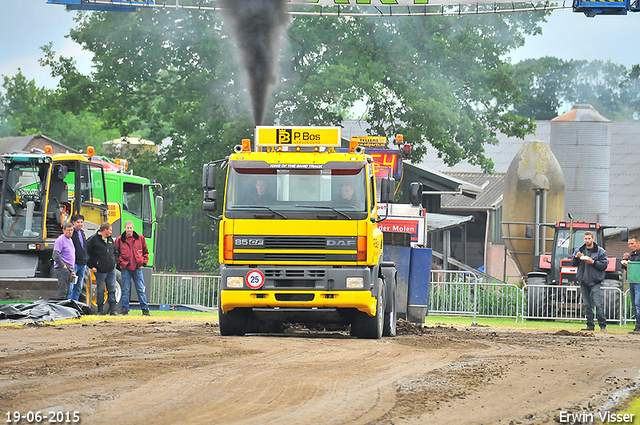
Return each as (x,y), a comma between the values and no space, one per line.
(26,109)
(208,261)
(439,80)
(173,75)
(554,84)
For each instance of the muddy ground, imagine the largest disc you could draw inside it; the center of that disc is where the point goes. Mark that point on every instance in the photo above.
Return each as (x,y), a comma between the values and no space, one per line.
(169,372)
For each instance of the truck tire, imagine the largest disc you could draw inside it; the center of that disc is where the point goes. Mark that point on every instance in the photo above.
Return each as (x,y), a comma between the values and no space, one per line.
(390,311)
(367,327)
(611,299)
(537,306)
(233,323)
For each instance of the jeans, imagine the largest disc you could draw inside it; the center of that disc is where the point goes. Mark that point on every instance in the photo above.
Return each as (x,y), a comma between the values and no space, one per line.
(592,297)
(110,280)
(65,278)
(74,294)
(138,281)
(634,289)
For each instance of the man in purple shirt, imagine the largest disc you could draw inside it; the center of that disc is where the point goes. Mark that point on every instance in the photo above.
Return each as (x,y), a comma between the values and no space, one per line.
(64,260)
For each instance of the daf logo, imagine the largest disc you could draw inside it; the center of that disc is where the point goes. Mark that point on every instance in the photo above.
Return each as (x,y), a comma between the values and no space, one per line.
(341,242)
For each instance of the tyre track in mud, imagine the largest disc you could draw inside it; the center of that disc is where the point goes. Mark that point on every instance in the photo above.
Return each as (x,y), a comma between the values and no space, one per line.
(168,372)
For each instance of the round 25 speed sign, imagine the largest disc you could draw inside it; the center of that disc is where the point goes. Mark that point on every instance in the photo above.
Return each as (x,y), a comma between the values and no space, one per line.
(255,279)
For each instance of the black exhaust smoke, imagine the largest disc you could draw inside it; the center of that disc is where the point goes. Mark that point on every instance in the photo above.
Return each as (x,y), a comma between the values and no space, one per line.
(258,26)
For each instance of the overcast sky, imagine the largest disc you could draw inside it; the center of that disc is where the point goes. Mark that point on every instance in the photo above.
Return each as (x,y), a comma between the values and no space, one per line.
(25,25)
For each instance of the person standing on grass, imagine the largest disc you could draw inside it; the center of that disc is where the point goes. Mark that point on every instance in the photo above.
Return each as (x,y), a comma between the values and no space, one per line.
(79,242)
(133,254)
(101,260)
(64,260)
(634,287)
(592,262)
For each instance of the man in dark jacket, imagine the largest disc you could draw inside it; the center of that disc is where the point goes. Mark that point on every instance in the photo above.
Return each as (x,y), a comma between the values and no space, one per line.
(80,243)
(634,287)
(592,263)
(101,260)
(133,254)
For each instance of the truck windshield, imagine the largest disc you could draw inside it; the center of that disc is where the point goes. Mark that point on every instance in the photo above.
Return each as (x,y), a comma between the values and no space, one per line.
(294,189)
(22,198)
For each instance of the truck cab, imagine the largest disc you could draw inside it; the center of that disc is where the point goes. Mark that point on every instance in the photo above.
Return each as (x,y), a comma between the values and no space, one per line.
(299,237)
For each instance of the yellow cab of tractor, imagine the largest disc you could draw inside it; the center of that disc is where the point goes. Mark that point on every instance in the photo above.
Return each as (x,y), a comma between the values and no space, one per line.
(298,236)
(39,191)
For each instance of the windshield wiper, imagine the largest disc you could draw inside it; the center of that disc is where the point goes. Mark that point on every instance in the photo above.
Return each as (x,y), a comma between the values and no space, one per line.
(265,207)
(324,207)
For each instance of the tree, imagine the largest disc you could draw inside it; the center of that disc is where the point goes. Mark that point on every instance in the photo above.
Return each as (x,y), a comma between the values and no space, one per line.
(173,74)
(439,80)
(26,109)
(555,84)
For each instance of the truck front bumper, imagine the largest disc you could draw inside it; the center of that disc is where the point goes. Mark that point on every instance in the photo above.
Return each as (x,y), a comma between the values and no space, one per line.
(287,299)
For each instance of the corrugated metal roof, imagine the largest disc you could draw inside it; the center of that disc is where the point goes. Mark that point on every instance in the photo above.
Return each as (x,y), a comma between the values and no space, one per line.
(624,196)
(490,198)
(501,154)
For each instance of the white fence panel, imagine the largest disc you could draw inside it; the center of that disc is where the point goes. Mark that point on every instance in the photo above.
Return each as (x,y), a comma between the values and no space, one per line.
(185,289)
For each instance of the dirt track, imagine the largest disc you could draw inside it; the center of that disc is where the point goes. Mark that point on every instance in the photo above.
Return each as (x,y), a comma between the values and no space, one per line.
(161,372)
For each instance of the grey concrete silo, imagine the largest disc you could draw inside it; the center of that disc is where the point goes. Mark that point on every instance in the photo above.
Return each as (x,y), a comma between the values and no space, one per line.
(581,141)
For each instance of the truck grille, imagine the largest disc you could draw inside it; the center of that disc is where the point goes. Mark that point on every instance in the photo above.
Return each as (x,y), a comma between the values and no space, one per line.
(294,273)
(284,242)
(288,256)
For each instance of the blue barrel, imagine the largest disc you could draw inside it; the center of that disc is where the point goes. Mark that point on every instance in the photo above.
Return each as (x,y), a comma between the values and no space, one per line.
(401,255)
(419,277)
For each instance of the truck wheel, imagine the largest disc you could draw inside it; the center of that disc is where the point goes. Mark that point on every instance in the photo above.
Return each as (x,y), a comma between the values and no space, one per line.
(611,299)
(367,327)
(536,298)
(233,322)
(390,312)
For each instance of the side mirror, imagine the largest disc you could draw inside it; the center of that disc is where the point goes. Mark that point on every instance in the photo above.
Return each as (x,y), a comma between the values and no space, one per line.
(62,171)
(624,234)
(209,176)
(159,207)
(210,203)
(415,193)
(387,187)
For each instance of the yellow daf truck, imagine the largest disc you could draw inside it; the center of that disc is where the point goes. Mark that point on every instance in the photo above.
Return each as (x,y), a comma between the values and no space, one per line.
(299,237)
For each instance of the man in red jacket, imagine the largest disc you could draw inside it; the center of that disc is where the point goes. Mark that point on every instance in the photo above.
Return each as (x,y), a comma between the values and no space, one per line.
(133,254)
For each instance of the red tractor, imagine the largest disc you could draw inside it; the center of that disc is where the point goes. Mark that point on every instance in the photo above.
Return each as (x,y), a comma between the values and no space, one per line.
(555,269)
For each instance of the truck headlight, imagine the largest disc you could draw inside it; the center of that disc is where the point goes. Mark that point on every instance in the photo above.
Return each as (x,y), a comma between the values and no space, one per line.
(235,281)
(355,282)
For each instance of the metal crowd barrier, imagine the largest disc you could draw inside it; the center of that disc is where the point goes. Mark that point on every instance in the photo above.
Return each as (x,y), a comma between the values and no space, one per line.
(551,302)
(451,292)
(175,289)
(464,293)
